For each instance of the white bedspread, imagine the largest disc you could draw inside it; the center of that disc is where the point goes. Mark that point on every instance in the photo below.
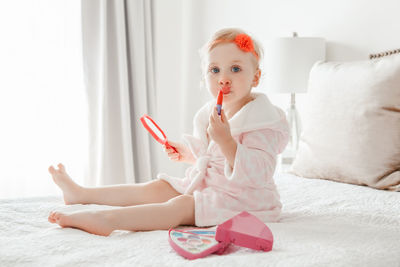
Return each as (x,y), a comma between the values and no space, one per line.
(323,223)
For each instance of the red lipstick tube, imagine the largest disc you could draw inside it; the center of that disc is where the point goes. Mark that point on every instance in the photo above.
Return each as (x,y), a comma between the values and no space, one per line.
(219,101)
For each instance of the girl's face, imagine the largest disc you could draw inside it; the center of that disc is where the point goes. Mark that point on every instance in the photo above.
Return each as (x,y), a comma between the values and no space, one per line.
(234,70)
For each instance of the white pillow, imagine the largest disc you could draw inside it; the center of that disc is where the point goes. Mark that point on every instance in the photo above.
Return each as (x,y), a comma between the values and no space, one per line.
(351,130)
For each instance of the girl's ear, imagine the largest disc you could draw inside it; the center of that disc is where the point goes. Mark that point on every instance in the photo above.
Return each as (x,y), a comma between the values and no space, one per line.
(257,77)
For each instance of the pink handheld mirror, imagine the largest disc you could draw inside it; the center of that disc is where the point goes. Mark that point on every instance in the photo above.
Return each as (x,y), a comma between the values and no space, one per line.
(155,131)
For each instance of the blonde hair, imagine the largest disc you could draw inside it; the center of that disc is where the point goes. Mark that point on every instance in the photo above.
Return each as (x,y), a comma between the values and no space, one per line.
(228,35)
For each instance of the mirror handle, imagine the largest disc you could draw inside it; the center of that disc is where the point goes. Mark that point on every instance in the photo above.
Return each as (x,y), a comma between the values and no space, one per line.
(167,145)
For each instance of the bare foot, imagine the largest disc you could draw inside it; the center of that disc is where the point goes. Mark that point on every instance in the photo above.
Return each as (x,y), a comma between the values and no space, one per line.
(71,190)
(94,222)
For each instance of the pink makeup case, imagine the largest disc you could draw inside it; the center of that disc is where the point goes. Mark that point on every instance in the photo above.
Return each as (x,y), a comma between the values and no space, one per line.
(243,230)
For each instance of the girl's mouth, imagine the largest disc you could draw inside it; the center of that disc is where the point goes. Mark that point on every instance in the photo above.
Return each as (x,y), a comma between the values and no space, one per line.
(226,90)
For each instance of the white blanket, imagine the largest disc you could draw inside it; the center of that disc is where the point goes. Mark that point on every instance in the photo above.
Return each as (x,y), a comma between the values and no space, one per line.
(323,223)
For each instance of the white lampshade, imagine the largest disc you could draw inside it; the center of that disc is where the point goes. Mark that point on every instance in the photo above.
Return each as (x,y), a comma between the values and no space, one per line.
(289,61)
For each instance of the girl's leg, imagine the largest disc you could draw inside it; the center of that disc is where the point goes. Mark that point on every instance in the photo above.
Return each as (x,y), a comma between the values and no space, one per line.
(155,191)
(156,216)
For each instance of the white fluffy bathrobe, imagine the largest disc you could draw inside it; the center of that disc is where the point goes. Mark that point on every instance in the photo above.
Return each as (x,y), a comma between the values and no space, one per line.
(220,192)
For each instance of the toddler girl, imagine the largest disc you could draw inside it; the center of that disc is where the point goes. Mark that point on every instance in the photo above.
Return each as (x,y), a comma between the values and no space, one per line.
(233,157)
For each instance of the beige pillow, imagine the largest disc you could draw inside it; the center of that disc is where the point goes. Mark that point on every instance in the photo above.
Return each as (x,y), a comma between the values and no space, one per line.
(351,130)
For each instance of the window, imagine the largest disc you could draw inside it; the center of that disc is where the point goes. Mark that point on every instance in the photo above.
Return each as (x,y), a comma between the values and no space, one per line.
(43,113)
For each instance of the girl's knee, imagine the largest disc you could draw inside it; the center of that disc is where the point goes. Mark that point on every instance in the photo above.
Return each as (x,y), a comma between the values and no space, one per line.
(163,188)
(184,206)
(163,185)
(182,201)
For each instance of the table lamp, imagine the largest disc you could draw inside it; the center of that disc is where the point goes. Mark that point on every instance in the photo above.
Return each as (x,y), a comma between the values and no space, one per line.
(287,71)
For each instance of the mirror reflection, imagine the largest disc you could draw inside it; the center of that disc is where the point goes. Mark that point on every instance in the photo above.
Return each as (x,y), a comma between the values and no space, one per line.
(154,128)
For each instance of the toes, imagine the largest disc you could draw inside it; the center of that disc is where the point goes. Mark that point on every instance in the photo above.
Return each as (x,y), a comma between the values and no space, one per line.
(51,217)
(56,217)
(61,219)
(52,170)
(61,167)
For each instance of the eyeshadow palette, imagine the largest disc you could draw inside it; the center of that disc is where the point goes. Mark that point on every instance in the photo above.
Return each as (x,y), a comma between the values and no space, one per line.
(244,230)
(195,243)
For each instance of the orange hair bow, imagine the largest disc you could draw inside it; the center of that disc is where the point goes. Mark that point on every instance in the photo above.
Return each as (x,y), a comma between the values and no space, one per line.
(244,42)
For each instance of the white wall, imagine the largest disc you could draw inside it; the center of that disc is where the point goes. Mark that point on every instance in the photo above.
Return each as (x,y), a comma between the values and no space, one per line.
(43,116)
(178,36)
(353,30)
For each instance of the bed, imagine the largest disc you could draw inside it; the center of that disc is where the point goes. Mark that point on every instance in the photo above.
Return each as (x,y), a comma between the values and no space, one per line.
(323,223)
(326,221)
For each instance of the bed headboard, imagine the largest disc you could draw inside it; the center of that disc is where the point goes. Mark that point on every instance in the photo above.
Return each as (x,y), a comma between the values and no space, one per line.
(387,53)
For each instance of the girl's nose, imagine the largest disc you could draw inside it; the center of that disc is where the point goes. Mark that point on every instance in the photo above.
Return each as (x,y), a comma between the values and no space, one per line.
(225,82)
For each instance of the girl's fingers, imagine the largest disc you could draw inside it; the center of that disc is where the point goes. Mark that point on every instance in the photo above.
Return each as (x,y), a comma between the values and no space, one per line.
(223,117)
(174,157)
(211,119)
(214,117)
(169,149)
(215,113)
(172,154)
(218,117)
(172,144)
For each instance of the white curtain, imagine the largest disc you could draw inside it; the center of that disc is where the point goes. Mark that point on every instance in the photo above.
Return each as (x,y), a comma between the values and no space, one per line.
(193,38)
(119,77)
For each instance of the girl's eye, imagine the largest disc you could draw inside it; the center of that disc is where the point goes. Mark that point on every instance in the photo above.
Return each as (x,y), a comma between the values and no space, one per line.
(214,70)
(235,69)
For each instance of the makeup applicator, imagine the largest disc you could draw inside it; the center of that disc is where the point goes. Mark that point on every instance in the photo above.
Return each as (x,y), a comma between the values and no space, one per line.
(219,101)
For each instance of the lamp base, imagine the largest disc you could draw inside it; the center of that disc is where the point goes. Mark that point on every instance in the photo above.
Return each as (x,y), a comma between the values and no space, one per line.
(293,118)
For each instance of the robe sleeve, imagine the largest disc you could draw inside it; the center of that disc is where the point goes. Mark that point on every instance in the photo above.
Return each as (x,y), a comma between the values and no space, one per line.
(256,158)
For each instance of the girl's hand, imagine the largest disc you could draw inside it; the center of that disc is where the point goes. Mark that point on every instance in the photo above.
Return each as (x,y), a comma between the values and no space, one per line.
(218,128)
(220,131)
(183,153)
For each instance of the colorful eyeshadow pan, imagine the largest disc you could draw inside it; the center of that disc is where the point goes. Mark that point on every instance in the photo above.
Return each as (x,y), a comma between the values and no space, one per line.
(194,243)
